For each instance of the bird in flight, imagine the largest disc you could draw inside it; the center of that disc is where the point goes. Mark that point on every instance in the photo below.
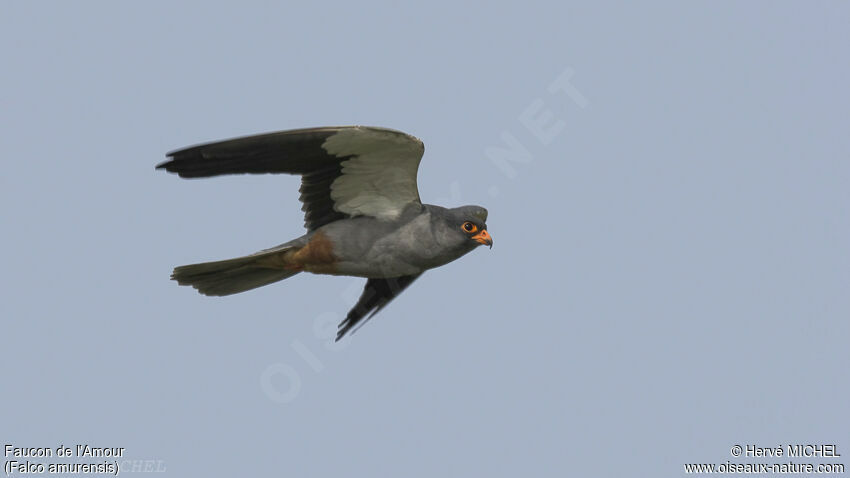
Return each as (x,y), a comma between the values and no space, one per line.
(361,209)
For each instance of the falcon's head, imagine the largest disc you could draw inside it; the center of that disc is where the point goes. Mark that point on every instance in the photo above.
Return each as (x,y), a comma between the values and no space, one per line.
(468,226)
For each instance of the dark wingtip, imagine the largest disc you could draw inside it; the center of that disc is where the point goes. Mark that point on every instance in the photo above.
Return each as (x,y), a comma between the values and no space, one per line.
(166,165)
(344,327)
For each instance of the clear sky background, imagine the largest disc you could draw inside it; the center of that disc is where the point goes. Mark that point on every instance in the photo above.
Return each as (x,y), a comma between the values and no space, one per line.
(669,277)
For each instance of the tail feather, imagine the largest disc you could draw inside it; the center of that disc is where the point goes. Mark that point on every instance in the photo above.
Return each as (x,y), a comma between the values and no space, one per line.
(232,276)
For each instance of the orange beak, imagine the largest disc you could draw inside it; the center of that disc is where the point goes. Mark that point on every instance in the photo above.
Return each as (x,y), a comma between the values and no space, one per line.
(483,237)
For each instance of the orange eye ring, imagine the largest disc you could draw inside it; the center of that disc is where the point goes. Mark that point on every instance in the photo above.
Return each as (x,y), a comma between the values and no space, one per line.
(469,227)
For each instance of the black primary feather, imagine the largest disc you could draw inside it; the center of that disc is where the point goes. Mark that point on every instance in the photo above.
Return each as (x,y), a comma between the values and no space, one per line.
(289,152)
(376,295)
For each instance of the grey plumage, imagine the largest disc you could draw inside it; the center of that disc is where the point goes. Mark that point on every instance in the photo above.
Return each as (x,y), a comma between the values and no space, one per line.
(362,213)
(232,276)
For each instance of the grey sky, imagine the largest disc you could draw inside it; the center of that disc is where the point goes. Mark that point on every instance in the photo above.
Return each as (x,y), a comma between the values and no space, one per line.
(670,269)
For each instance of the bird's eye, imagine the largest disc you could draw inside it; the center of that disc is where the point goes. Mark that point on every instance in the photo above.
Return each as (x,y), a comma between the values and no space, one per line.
(469,227)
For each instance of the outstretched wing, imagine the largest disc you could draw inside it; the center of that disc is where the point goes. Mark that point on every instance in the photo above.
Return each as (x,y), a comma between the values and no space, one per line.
(345,170)
(376,295)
